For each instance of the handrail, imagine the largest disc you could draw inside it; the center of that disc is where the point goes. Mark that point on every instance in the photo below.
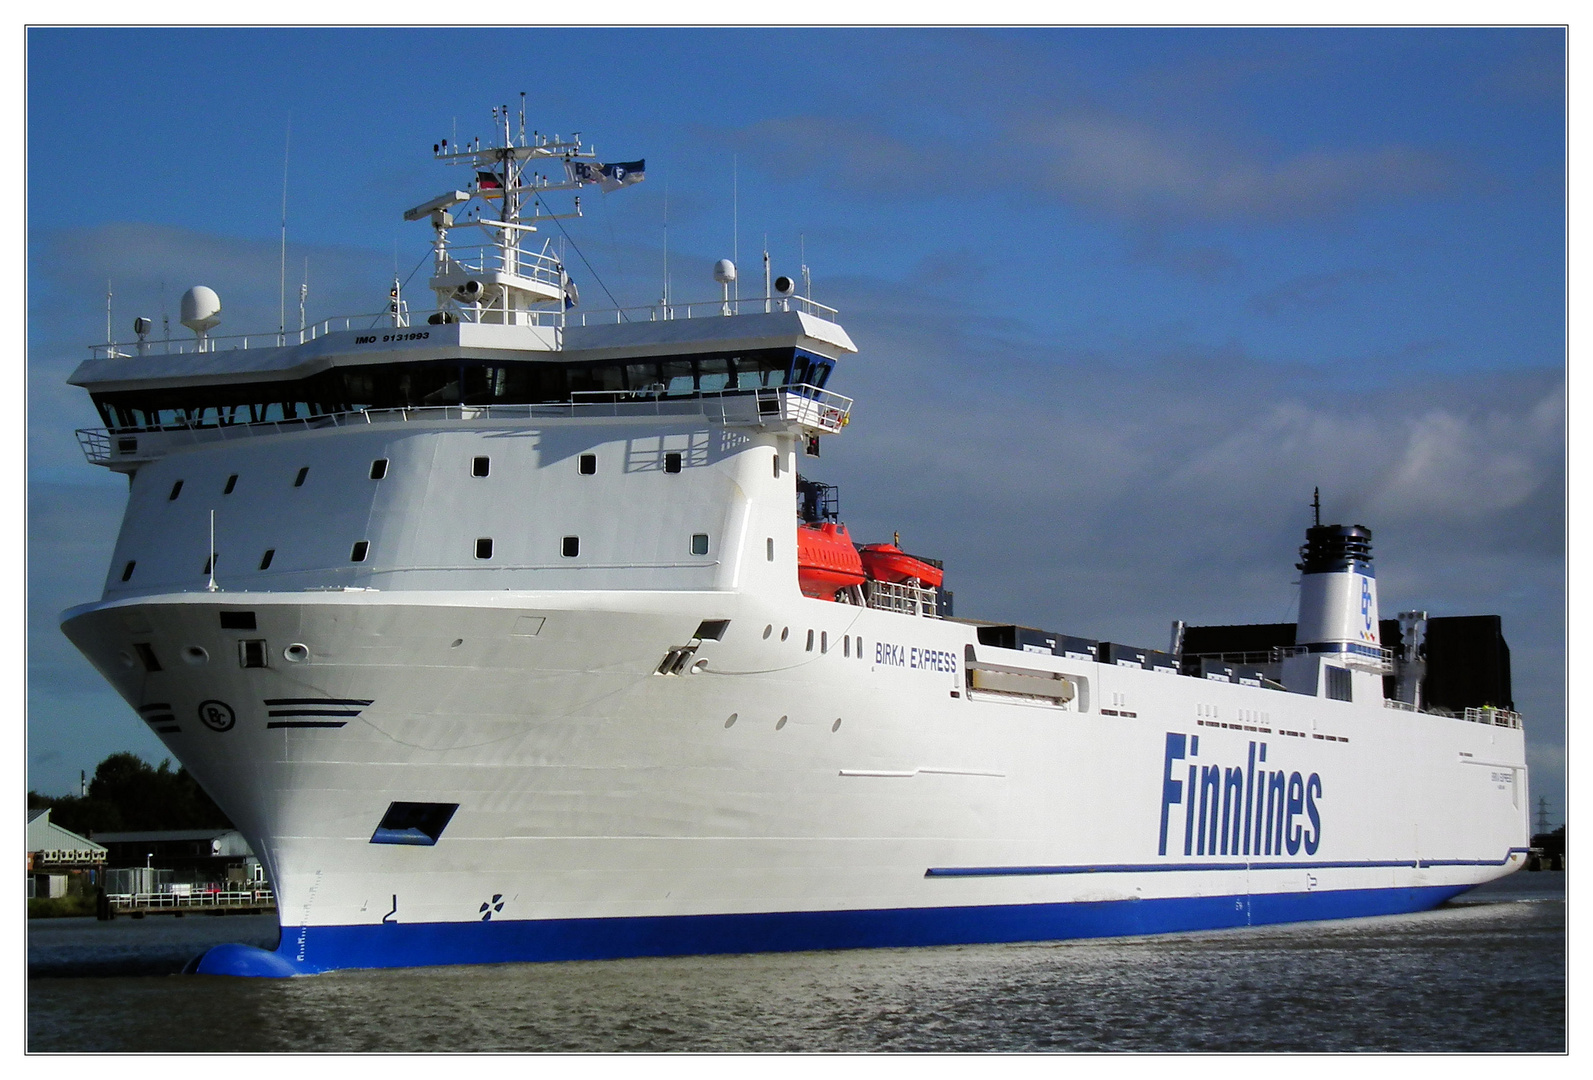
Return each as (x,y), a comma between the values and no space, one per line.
(658,312)
(801,403)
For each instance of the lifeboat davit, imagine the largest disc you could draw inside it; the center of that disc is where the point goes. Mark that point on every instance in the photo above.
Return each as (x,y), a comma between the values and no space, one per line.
(887,562)
(826,560)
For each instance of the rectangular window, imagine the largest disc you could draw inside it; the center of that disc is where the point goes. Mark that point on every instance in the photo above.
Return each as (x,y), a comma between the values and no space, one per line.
(810,641)
(777,466)
(127,571)
(232,482)
(252,654)
(571,547)
(146,656)
(480,466)
(484,547)
(588,464)
(416,823)
(699,543)
(1338,683)
(265,560)
(237,620)
(712,629)
(176,490)
(769,547)
(298,481)
(361,549)
(378,468)
(846,645)
(824,642)
(672,462)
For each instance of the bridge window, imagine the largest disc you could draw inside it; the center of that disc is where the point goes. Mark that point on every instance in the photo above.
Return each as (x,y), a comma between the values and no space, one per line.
(127,571)
(378,468)
(588,464)
(699,543)
(232,482)
(298,481)
(484,547)
(265,560)
(361,549)
(672,462)
(571,547)
(480,466)
(176,490)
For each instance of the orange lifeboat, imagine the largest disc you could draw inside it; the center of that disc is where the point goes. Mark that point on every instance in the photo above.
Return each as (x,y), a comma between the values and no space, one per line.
(826,560)
(887,562)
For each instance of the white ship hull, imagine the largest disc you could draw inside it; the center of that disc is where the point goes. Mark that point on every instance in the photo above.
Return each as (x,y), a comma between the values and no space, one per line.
(605,810)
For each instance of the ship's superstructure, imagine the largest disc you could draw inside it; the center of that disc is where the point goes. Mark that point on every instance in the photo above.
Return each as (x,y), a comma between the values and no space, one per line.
(507,631)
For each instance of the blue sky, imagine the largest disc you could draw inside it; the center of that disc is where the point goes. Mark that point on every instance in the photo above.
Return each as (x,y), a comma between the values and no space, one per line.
(1123,296)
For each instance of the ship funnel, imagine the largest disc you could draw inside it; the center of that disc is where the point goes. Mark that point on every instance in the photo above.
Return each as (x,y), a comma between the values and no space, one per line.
(1338,590)
(201,310)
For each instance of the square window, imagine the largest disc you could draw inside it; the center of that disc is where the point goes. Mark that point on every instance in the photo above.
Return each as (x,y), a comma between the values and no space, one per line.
(571,546)
(484,547)
(361,549)
(699,543)
(265,560)
(588,464)
(378,468)
(298,481)
(176,490)
(146,656)
(252,654)
(237,620)
(672,462)
(480,466)
(232,482)
(127,571)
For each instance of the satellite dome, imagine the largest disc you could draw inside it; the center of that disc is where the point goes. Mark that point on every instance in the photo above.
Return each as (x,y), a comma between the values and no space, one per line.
(201,309)
(724,271)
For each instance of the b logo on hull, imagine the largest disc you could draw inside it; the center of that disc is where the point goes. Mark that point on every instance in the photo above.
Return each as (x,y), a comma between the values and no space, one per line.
(217,715)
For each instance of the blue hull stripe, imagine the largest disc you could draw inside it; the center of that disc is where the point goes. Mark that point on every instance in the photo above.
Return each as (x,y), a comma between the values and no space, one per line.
(324,948)
(1150,868)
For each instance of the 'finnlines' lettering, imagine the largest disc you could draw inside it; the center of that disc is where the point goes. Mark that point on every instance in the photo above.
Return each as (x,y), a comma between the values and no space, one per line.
(1240,810)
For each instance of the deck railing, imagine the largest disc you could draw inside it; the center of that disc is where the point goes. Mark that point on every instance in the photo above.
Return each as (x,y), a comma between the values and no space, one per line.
(659,312)
(806,405)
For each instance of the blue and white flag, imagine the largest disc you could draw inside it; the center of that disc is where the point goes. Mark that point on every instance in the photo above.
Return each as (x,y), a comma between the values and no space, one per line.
(608,177)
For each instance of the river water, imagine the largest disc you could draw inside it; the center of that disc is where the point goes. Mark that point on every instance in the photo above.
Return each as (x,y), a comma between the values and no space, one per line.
(1485,972)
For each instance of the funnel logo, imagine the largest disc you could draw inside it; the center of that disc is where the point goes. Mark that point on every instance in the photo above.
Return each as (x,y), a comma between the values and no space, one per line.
(1366,605)
(1238,810)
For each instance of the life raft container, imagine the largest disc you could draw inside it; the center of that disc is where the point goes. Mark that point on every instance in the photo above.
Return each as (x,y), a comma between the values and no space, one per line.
(826,560)
(887,562)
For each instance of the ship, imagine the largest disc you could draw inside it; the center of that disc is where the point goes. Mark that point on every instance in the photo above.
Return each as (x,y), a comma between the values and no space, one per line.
(509,630)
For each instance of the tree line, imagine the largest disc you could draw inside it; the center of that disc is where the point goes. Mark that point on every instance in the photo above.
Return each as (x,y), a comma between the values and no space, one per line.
(127,794)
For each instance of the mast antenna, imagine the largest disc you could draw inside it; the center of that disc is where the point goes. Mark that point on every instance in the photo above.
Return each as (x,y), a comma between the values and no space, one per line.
(807,281)
(282,269)
(1316,504)
(108,338)
(735,221)
(304,291)
(666,249)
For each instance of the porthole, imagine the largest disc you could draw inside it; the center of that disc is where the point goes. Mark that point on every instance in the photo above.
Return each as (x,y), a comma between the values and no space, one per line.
(232,482)
(296,653)
(298,481)
(588,464)
(176,490)
(361,549)
(730,721)
(484,547)
(571,547)
(780,723)
(458,641)
(672,462)
(767,630)
(127,571)
(699,543)
(480,466)
(785,632)
(265,560)
(836,726)
(378,468)
(196,655)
